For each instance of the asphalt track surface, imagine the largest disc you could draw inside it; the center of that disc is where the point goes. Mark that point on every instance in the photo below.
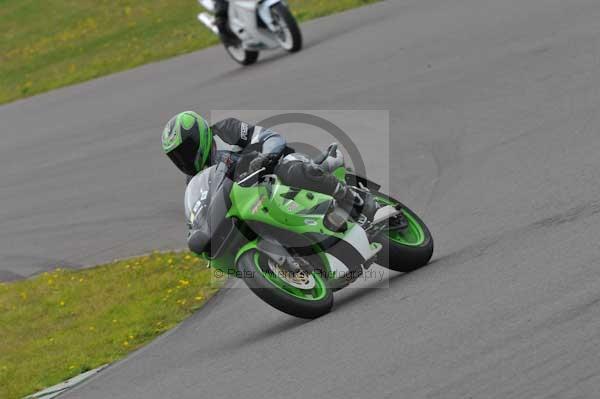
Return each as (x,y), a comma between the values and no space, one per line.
(495,140)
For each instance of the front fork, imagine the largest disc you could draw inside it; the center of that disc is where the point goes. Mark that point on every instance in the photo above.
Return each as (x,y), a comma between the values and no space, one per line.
(282,257)
(264,12)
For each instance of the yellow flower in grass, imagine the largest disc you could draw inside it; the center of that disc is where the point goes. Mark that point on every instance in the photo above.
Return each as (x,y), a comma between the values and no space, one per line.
(184,282)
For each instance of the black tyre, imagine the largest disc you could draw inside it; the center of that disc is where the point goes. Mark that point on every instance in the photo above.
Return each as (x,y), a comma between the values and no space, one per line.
(289,37)
(267,284)
(241,56)
(407,249)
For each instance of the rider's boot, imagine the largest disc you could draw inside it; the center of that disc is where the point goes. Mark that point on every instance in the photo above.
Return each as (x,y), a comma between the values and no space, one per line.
(355,203)
(225,34)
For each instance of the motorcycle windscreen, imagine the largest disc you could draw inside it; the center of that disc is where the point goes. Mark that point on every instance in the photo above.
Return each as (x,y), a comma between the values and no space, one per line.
(206,204)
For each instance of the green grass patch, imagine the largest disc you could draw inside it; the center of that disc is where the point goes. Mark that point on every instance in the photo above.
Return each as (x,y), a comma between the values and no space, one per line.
(62,323)
(48,44)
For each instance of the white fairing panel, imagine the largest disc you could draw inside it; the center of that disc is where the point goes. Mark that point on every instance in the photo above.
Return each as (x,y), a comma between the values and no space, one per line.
(357,237)
(338,268)
(242,18)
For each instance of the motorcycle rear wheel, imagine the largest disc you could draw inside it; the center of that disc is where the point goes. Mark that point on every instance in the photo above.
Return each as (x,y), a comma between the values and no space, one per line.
(241,56)
(407,249)
(278,292)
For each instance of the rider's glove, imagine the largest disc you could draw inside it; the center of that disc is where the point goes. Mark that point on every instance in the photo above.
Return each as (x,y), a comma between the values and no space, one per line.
(261,160)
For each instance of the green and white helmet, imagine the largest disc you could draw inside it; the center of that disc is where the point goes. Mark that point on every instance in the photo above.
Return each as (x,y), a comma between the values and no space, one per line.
(187,141)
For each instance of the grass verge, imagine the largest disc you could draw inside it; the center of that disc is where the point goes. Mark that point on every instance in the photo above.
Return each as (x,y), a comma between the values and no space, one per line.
(64,322)
(48,44)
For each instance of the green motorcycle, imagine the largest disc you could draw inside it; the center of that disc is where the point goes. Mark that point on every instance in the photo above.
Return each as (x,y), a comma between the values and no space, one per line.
(294,247)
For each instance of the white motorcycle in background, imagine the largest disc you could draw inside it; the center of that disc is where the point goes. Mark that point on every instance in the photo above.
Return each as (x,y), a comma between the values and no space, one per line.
(260,25)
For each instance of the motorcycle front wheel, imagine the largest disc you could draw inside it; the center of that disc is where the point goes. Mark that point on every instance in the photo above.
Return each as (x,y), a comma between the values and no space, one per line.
(304,295)
(289,35)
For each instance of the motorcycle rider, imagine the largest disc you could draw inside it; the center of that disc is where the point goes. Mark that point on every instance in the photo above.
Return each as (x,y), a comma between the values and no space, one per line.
(192,145)
(221,22)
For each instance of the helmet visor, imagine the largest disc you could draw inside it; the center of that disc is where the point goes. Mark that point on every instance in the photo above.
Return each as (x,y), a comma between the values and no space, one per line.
(184,157)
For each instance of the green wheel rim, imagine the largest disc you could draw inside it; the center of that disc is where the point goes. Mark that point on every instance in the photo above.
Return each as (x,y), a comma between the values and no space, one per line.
(413,235)
(318,292)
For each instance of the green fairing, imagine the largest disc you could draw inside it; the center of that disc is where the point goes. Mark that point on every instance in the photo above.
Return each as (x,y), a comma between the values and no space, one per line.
(254,204)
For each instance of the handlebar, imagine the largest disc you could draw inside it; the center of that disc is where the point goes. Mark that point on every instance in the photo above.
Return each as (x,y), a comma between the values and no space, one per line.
(251,179)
